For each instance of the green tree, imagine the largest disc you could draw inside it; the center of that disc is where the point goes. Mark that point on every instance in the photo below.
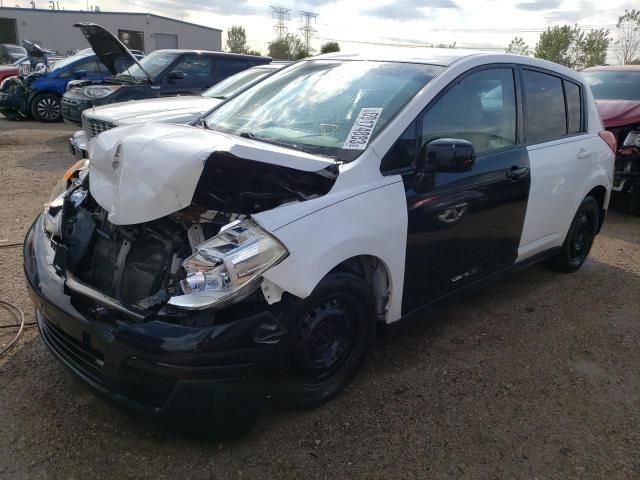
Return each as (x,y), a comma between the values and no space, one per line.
(556,44)
(254,52)
(289,47)
(592,49)
(628,36)
(237,40)
(570,46)
(517,46)
(330,47)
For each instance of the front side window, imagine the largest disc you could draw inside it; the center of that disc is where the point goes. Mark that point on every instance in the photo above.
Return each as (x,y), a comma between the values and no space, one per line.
(314,105)
(481,108)
(195,68)
(544,107)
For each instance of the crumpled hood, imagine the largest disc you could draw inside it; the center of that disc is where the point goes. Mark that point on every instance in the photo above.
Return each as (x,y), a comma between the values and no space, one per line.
(616,113)
(139,173)
(155,109)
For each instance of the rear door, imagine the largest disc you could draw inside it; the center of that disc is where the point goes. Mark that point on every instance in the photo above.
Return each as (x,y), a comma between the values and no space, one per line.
(560,152)
(463,226)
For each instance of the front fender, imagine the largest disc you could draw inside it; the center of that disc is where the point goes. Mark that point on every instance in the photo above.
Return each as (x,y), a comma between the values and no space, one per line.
(371,223)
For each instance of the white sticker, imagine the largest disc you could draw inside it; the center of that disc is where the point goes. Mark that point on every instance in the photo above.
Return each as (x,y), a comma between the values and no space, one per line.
(362,129)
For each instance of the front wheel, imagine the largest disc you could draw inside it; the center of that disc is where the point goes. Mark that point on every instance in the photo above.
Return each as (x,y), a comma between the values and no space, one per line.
(580,237)
(45,107)
(330,334)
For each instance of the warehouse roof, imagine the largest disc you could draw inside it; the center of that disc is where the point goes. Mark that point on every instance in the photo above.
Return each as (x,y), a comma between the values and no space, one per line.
(103,12)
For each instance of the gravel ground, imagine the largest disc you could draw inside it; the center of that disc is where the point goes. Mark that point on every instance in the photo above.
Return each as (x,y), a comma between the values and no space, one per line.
(536,377)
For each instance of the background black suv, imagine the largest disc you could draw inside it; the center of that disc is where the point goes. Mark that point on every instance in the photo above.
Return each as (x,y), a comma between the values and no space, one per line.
(162,73)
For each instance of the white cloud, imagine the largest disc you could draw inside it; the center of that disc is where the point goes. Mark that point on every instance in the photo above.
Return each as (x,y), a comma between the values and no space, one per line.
(471,23)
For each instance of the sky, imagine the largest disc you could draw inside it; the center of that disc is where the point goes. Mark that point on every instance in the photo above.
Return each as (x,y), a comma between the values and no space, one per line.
(358,25)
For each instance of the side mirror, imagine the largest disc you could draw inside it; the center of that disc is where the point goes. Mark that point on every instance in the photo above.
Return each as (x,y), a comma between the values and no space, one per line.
(80,73)
(175,75)
(449,155)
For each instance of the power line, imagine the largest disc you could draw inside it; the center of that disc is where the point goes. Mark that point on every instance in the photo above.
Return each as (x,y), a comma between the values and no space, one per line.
(307,30)
(280,14)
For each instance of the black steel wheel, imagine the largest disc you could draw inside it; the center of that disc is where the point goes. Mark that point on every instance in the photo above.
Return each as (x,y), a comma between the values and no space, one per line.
(580,237)
(45,107)
(330,332)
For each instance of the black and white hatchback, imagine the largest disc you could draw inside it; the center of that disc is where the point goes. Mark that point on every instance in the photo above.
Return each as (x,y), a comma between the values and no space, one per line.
(255,254)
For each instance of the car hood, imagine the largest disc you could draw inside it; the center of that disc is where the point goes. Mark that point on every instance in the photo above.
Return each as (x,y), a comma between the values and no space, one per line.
(111,51)
(143,172)
(615,113)
(157,109)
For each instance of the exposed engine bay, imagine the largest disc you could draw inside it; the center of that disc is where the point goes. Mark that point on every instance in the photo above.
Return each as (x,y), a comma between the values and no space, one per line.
(141,265)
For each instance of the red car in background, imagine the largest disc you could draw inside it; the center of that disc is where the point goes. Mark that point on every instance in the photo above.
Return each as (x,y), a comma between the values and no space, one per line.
(616,89)
(23,65)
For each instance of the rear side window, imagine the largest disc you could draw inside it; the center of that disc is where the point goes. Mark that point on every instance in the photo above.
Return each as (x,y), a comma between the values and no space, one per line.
(544,109)
(574,107)
(226,68)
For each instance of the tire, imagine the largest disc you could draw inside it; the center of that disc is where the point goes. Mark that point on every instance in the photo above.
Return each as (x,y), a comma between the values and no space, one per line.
(45,107)
(330,334)
(580,237)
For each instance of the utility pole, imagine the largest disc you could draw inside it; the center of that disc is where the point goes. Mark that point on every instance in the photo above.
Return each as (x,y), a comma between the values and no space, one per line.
(307,30)
(280,14)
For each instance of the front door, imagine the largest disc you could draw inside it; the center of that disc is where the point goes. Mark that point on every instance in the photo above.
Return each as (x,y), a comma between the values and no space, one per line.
(190,75)
(464,226)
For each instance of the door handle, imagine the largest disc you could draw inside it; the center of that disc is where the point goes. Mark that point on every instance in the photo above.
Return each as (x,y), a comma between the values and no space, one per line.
(517,172)
(583,153)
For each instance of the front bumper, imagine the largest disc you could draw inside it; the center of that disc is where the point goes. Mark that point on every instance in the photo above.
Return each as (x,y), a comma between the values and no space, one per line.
(73,107)
(152,366)
(79,145)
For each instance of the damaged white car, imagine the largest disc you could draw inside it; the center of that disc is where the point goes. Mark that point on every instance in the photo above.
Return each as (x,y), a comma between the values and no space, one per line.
(193,268)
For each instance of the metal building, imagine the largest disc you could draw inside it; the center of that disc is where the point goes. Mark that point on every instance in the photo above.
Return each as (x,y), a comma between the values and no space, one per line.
(54,30)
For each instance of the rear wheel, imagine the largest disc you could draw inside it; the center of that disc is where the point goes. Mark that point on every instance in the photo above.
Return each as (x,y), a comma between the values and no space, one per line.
(330,334)
(45,107)
(580,237)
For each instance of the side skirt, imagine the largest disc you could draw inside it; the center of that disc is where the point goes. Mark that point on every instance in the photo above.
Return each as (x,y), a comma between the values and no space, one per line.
(476,286)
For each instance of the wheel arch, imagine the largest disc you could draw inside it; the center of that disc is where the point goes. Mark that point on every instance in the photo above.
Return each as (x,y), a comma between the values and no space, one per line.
(375,272)
(35,93)
(600,194)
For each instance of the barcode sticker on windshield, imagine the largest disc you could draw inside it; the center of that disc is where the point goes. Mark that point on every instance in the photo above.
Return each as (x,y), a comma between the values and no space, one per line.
(362,129)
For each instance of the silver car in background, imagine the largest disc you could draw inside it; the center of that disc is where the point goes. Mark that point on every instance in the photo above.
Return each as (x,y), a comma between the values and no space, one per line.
(179,110)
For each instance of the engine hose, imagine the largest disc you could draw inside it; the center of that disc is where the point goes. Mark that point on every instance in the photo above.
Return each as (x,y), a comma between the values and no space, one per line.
(8,245)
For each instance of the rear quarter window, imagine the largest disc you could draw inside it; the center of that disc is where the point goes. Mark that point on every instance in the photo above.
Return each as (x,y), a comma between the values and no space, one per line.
(574,107)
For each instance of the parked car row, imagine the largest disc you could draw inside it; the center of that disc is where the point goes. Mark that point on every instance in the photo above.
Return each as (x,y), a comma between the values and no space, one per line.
(110,73)
(253,253)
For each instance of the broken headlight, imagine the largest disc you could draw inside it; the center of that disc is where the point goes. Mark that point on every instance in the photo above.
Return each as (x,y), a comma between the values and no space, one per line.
(228,267)
(52,209)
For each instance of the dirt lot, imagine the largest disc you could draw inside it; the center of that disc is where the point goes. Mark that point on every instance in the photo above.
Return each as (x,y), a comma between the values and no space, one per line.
(537,377)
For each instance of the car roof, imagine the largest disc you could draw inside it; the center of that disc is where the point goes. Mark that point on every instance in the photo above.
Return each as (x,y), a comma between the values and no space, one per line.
(209,52)
(613,67)
(432,56)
